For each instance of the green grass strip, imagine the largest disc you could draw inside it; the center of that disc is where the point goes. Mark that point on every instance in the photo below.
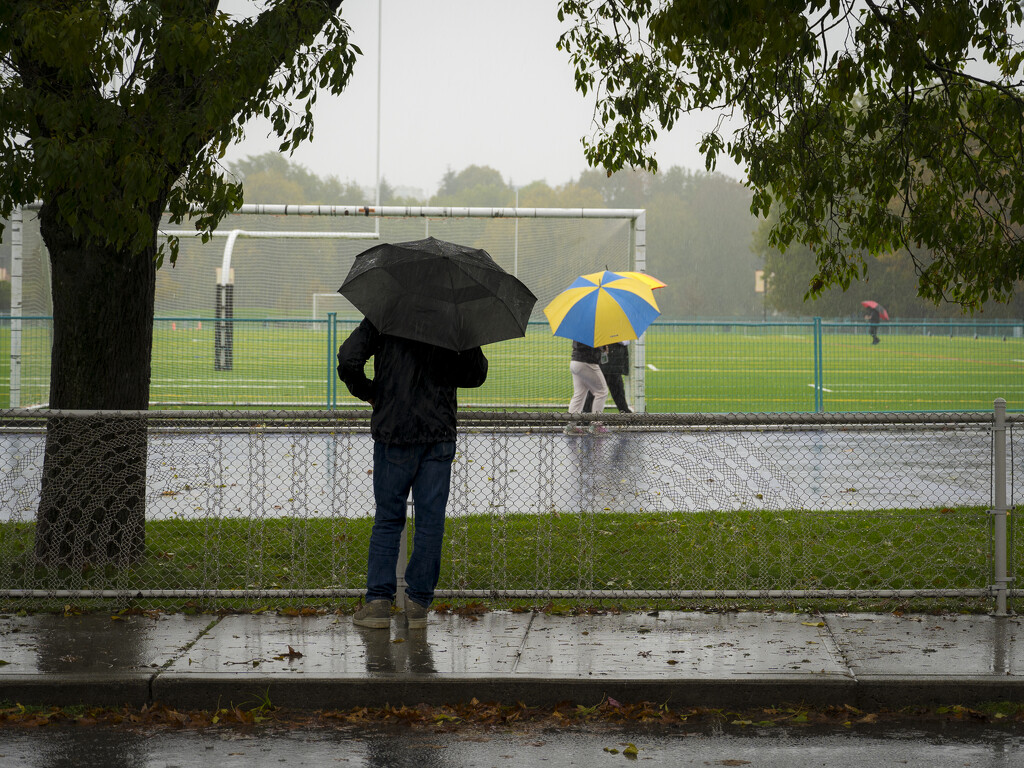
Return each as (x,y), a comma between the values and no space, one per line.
(749,550)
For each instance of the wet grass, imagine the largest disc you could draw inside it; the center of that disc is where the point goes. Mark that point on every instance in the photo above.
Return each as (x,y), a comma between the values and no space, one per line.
(743,550)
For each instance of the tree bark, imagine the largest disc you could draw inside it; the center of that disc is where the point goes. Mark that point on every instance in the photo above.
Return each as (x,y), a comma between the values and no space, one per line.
(92,506)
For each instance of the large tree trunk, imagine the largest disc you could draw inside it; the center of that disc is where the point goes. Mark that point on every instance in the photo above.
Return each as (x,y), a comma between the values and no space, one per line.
(92,506)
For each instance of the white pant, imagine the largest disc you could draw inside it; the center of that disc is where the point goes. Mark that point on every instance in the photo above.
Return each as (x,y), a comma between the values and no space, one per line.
(587,377)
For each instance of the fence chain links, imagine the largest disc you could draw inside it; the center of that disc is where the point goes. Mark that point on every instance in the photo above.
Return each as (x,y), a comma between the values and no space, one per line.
(232,509)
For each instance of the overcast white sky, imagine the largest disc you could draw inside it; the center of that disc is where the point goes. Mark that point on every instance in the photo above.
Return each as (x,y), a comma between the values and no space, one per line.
(463,82)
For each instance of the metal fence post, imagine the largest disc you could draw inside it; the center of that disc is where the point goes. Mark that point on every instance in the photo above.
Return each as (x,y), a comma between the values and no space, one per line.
(1000,578)
(819,401)
(332,392)
(17,265)
(403,556)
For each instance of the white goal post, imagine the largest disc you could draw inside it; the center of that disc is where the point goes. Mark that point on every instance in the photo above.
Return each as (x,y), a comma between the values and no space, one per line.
(321,299)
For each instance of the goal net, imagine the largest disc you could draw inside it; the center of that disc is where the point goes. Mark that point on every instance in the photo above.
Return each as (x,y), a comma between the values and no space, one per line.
(253,318)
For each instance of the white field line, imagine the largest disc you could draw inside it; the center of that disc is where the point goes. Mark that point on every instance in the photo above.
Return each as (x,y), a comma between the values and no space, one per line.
(699,370)
(893,387)
(262,381)
(823,389)
(231,386)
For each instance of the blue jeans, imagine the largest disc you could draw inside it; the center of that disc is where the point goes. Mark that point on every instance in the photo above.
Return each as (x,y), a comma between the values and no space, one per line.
(427,470)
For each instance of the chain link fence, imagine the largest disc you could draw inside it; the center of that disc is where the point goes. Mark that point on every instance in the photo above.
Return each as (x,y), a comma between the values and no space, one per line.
(234,509)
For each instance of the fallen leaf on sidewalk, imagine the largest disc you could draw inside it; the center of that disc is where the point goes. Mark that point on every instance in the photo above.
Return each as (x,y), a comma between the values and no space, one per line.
(813,623)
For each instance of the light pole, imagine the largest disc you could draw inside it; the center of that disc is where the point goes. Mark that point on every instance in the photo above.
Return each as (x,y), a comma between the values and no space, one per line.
(380,58)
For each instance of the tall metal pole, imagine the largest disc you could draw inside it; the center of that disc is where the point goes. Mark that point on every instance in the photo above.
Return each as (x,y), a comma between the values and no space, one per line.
(1000,578)
(380,58)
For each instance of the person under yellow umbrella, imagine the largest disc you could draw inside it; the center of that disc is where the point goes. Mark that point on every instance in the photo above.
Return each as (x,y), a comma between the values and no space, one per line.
(617,365)
(596,310)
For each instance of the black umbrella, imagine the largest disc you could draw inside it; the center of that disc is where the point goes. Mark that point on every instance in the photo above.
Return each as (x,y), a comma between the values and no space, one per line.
(441,293)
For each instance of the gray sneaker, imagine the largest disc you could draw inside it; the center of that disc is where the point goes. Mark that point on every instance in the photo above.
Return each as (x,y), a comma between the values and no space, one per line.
(376,614)
(415,615)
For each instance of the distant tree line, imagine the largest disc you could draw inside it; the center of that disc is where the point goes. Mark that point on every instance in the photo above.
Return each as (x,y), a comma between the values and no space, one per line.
(699,225)
(701,237)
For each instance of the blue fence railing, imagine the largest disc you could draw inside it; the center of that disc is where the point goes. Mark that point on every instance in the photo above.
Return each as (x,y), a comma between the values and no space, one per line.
(713,366)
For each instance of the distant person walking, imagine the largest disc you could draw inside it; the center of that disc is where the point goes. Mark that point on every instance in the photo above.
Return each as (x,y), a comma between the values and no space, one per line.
(873,317)
(614,369)
(875,314)
(413,395)
(585,367)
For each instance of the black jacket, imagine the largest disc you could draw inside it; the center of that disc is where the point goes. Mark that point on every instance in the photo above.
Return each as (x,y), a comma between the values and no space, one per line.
(413,387)
(618,360)
(582,353)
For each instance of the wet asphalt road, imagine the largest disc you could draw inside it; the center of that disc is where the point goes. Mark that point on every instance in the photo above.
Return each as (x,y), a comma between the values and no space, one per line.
(932,746)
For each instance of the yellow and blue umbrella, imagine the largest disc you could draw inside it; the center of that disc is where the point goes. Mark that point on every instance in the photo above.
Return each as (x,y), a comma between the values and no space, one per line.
(602,308)
(649,280)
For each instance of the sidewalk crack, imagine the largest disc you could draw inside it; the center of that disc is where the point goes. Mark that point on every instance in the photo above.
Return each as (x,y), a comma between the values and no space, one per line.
(522,645)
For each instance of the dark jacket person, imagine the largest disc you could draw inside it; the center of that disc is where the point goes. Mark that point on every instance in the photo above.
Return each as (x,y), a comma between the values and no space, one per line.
(413,394)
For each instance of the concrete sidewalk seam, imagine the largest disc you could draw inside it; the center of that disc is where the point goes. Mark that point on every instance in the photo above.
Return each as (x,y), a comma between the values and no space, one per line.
(843,659)
(523,643)
(151,694)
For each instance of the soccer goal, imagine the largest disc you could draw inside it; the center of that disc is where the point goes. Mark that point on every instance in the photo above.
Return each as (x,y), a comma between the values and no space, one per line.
(325,304)
(252,317)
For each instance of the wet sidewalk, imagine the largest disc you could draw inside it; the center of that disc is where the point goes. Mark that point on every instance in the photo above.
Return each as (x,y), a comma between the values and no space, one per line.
(729,660)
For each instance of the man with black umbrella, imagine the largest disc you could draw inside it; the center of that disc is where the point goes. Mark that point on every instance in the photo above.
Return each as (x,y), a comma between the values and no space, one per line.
(428,305)
(413,395)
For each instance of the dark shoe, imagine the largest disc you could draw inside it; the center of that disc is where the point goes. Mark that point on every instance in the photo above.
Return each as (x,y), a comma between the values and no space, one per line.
(415,615)
(376,614)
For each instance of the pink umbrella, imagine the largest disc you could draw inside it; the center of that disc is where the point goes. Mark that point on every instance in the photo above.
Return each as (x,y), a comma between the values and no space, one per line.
(882,314)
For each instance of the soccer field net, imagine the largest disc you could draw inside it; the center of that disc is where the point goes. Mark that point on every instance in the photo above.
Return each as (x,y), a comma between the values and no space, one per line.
(252,317)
